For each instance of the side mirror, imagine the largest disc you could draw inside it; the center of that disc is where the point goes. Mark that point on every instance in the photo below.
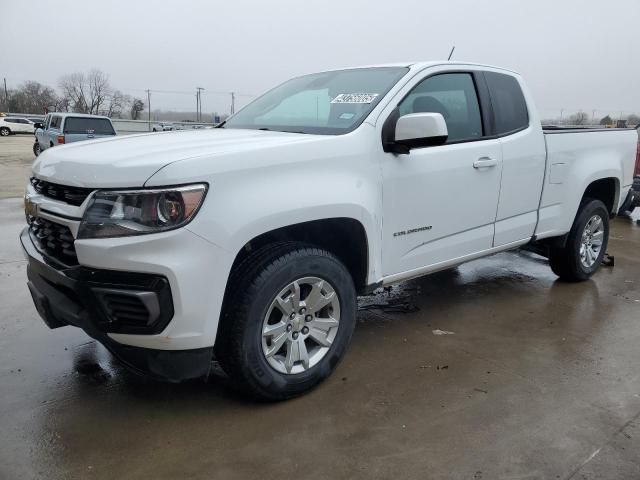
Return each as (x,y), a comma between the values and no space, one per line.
(415,130)
(37,125)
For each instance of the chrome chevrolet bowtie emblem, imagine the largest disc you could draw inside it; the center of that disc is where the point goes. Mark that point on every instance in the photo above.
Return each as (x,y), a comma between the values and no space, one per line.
(30,207)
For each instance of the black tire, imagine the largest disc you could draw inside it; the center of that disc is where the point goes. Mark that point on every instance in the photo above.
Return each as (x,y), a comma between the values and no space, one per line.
(36,149)
(252,288)
(565,262)
(5,132)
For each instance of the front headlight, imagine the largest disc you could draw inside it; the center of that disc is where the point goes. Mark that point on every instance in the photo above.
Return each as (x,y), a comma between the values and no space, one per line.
(136,212)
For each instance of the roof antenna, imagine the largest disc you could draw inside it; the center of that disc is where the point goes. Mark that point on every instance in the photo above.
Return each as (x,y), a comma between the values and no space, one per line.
(451,53)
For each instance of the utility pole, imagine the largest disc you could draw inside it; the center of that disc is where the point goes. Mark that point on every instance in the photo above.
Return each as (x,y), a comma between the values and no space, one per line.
(199,104)
(6,95)
(149,109)
(233,103)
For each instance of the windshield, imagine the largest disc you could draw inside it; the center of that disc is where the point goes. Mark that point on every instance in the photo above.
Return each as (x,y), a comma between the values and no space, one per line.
(328,103)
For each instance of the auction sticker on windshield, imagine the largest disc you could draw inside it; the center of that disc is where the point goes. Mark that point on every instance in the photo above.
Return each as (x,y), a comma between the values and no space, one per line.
(355,98)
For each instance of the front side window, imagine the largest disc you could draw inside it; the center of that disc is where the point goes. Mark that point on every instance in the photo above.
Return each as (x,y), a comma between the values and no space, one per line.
(55,122)
(509,105)
(453,95)
(328,103)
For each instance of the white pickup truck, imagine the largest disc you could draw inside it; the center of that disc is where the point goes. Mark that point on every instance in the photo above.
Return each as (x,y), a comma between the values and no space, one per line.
(250,242)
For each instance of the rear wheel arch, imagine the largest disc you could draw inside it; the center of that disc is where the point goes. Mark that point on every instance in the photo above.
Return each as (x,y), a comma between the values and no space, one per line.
(607,190)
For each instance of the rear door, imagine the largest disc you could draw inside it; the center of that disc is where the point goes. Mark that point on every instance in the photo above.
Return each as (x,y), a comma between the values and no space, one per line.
(23,125)
(86,128)
(516,124)
(439,202)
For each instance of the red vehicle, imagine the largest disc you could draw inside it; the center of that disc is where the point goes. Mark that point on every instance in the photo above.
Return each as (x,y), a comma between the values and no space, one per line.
(633,199)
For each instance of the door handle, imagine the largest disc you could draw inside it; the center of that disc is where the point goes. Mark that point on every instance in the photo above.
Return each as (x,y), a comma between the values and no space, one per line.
(485,162)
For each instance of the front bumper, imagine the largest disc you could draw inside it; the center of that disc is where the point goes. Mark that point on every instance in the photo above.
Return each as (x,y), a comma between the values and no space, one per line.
(76,296)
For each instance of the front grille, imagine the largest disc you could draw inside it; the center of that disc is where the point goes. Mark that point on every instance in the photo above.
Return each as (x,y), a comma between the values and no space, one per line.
(71,195)
(53,240)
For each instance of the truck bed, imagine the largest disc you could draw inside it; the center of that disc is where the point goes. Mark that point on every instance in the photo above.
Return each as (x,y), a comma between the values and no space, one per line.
(572,155)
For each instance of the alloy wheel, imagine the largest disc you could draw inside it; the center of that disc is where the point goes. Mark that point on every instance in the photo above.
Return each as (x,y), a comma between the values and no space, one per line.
(591,241)
(300,325)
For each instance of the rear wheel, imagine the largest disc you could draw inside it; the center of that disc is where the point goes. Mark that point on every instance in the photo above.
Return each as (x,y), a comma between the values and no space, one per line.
(288,319)
(4,131)
(586,244)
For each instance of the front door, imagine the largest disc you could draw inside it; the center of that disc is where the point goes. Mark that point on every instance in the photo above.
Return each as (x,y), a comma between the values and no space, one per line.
(439,202)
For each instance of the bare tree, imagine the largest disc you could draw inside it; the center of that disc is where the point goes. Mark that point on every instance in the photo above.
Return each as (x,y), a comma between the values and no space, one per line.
(73,87)
(606,120)
(118,102)
(62,105)
(31,97)
(633,119)
(137,107)
(99,90)
(579,118)
(86,93)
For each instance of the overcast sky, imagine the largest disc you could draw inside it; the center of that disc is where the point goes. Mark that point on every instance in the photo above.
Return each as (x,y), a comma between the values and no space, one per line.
(575,54)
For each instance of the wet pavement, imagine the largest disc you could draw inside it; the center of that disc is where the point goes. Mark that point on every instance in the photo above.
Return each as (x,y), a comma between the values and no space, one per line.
(527,378)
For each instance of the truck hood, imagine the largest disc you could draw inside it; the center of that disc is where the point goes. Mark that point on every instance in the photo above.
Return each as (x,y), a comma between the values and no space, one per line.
(129,161)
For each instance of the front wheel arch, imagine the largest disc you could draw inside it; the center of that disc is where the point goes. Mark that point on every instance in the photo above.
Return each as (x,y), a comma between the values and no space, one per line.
(344,237)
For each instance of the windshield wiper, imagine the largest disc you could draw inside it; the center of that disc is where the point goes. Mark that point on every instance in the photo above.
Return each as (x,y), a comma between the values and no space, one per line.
(265,129)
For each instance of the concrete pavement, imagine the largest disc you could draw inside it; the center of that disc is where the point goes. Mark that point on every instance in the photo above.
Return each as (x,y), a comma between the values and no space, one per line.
(540,380)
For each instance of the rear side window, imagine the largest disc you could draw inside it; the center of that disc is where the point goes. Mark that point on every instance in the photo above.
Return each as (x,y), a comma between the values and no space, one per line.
(97,126)
(509,105)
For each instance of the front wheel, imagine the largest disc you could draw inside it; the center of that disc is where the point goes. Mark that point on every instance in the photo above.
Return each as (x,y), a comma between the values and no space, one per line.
(5,132)
(36,149)
(586,244)
(288,319)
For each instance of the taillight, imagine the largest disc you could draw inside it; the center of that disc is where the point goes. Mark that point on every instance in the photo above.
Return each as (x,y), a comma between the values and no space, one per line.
(60,139)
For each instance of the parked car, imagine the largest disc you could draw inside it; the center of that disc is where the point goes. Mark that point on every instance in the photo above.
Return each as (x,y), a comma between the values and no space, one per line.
(63,128)
(163,127)
(12,125)
(251,241)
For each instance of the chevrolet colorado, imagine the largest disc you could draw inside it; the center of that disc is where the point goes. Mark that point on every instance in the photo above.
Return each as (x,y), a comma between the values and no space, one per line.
(250,242)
